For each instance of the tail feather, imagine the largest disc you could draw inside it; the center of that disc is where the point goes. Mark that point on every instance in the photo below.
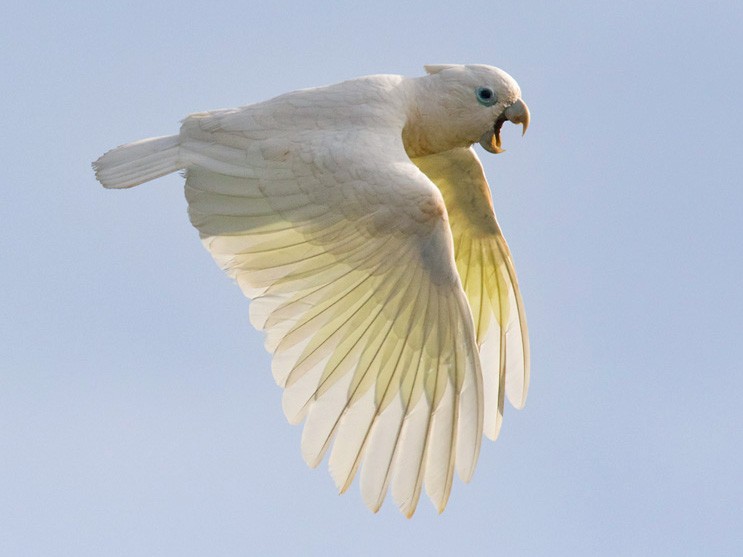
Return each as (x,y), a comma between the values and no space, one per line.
(135,163)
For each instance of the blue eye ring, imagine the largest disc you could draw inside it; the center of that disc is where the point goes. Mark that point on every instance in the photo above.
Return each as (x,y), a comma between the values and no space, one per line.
(486,96)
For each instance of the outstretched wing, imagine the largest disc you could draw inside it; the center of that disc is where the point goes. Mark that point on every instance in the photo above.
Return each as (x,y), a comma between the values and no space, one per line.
(344,247)
(489,279)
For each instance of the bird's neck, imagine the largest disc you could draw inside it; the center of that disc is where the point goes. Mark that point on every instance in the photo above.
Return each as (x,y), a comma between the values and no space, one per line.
(431,126)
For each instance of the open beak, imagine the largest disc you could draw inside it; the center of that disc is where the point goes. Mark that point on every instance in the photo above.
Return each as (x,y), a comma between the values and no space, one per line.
(517,113)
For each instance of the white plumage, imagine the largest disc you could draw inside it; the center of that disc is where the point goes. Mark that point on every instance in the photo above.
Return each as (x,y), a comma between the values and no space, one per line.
(358,220)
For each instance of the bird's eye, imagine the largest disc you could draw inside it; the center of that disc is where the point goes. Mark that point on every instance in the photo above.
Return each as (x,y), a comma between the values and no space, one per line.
(486,96)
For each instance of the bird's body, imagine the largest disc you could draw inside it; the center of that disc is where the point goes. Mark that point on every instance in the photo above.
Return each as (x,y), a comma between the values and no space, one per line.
(358,220)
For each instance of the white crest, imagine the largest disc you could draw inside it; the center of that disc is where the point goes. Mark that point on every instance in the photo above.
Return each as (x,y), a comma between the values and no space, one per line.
(436,68)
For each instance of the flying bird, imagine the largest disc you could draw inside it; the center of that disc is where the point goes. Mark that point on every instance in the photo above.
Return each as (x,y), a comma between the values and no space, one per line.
(358,220)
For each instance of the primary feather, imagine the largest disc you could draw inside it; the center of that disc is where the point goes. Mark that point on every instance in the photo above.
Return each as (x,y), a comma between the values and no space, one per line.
(358,220)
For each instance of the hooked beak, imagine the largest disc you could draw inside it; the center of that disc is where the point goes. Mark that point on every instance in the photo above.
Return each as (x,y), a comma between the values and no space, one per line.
(517,113)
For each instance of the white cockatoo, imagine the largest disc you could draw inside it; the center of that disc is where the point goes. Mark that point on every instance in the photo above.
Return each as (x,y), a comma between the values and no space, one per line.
(358,220)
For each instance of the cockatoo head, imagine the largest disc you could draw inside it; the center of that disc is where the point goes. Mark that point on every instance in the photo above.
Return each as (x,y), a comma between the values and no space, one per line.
(456,106)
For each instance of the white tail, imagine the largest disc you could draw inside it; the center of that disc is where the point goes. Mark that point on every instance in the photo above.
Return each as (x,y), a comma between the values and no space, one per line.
(135,163)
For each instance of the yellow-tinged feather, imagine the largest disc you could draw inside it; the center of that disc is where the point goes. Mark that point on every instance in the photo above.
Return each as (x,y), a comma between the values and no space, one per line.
(357,337)
(488,278)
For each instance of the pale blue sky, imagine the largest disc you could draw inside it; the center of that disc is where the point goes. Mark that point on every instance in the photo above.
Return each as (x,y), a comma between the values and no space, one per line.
(138,415)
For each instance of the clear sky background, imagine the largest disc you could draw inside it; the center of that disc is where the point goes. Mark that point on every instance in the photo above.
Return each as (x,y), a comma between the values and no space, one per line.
(138,414)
